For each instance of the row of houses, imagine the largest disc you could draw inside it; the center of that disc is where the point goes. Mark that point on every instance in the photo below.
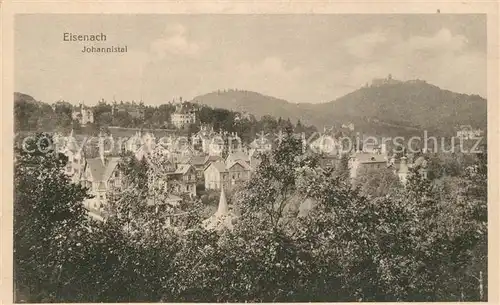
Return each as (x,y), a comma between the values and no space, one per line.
(184,171)
(188,169)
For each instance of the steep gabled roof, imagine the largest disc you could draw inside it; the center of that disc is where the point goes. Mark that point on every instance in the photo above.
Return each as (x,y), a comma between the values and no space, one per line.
(241,163)
(212,159)
(96,168)
(111,165)
(238,156)
(182,168)
(220,166)
(197,160)
(100,171)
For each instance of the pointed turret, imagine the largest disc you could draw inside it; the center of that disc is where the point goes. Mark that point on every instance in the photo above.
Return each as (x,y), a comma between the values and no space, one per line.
(223,208)
(223,218)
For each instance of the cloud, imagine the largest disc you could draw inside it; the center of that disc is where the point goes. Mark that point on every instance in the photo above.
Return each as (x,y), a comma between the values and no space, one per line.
(443,40)
(269,76)
(362,46)
(175,41)
(268,70)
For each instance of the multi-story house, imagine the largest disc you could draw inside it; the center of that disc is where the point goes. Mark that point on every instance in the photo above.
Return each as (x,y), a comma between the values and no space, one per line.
(215,146)
(215,175)
(200,139)
(101,177)
(260,145)
(234,143)
(233,157)
(467,132)
(366,161)
(140,144)
(219,174)
(75,165)
(74,151)
(201,162)
(84,115)
(239,172)
(183,116)
(183,179)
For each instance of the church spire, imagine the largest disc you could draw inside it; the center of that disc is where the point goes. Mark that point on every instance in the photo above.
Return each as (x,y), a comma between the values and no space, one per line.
(223,208)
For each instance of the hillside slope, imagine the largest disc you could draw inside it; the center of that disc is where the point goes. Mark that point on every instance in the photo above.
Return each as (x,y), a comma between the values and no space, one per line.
(258,105)
(412,104)
(386,109)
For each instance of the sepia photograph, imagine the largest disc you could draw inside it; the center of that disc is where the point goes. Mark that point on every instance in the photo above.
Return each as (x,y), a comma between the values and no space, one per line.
(250,158)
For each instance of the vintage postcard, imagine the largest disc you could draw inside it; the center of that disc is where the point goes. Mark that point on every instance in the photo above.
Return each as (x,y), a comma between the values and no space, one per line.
(279,152)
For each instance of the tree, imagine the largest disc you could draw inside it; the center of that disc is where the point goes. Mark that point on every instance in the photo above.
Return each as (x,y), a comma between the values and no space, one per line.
(274,183)
(49,219)
(105,118)
(377,182)
(342,169)
(299,128)
(63,112)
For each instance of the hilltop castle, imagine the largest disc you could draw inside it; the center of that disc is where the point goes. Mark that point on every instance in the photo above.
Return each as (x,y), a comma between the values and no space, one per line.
(376,82)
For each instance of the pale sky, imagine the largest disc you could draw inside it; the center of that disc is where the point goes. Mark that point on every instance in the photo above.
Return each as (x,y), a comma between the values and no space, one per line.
(300,58)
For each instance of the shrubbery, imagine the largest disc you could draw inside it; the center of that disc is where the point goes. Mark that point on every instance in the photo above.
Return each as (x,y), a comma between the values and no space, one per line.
(414,245)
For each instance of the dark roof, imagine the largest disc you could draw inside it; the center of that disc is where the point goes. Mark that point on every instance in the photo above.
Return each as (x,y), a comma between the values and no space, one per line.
(182,168)
(96,168)
(197,160)
(100,171)
(213,159)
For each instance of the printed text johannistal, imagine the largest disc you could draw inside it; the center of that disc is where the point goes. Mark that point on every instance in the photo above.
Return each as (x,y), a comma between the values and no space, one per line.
(93,49)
